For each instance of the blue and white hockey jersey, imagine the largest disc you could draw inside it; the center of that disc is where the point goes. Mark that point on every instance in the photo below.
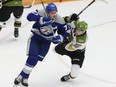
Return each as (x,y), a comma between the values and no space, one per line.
(47,32)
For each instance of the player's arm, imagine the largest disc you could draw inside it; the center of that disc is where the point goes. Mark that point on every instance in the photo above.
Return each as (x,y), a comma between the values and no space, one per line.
(65,31)
(62,34)
(33,16)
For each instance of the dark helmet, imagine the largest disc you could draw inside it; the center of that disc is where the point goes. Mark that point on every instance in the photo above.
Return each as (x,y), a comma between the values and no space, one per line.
(51,7)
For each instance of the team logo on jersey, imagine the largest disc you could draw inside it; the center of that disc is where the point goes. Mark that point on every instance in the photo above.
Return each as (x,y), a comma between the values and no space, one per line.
(45,31)
(48,30)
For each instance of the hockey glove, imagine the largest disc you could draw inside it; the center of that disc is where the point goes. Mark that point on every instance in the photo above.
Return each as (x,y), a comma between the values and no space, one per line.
(45,21)
(0,4)
(57,39)
(67,19)
(74,17)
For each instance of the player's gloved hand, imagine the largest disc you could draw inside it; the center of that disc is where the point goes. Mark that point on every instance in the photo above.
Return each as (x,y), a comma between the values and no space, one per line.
(0,4)
(45,21)
(57,39)
(74,17)
(67,19)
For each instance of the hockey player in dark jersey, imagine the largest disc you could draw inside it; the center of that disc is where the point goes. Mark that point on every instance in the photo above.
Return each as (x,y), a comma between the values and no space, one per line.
(8,7)
(74,46)
(43,33)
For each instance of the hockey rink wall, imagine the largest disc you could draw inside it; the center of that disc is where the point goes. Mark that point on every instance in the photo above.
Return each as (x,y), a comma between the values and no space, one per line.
(27,2)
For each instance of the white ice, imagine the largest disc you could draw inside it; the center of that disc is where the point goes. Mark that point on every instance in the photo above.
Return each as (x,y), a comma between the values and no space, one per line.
(99,67)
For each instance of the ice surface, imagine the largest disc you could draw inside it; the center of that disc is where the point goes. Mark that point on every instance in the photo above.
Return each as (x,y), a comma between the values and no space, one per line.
(99,68)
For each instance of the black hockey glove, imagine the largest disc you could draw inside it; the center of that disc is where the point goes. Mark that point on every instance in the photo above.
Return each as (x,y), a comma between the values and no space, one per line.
(74,17)
(67,19)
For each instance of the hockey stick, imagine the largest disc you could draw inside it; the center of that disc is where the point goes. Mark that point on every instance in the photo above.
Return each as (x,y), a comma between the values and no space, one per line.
(30,5)
(86,7)
(44,7)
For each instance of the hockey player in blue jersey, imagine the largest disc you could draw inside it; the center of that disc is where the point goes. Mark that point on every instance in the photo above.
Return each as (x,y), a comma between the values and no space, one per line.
(43,32)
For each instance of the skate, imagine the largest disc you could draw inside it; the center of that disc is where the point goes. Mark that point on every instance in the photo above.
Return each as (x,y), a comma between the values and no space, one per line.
(21,80)
(24,82)
(16,32)
(18,80)
(65,78)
